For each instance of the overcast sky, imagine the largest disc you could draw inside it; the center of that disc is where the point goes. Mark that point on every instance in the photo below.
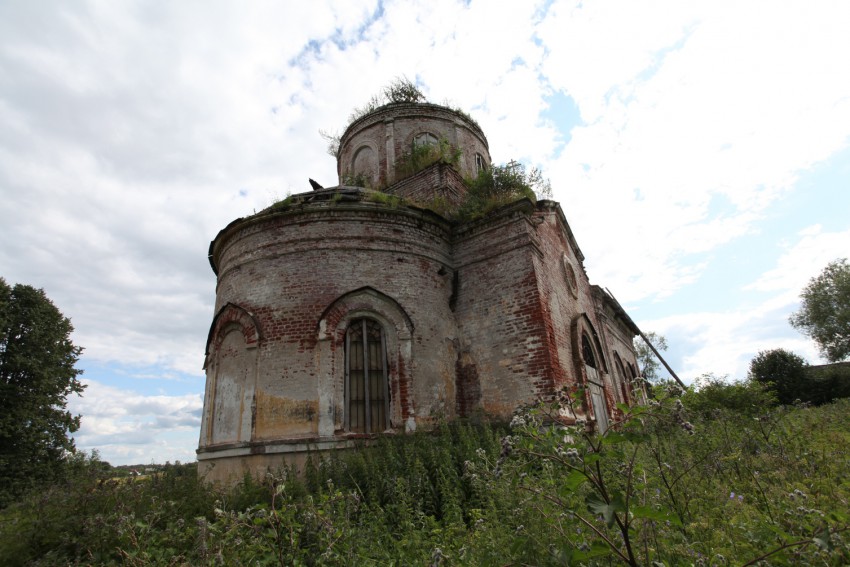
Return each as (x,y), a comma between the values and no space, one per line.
(699,151)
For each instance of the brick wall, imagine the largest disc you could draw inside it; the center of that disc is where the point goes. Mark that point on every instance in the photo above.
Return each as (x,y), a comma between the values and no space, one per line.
(374,142)
(287,268)
(438,181)
(480,316)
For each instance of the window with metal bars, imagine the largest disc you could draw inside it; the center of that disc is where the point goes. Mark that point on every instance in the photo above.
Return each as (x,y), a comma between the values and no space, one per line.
(366,389)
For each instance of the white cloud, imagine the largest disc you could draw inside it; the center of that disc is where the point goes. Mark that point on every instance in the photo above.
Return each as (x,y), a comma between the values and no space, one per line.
(804,260)
(725,342)
(695,123)
(129,428)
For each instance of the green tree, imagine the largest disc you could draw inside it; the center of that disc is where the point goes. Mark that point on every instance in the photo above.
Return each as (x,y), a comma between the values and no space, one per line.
(647,360)
(825,311)
(711,393)
(37,374)
(783,372)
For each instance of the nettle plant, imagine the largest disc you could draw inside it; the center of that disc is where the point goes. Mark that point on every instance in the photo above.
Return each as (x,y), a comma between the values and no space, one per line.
(652,490)
(593,486)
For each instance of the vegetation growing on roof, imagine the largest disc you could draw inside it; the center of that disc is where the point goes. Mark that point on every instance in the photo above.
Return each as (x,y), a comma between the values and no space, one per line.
(421,156)
(400,89)
(355,180)
(392,201)
(501,185)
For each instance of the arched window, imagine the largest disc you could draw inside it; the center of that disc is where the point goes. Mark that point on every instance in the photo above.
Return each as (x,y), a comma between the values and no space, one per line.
(366,392)
(480,164)
(634,384)
(425,139)
(622,379)
(594,385)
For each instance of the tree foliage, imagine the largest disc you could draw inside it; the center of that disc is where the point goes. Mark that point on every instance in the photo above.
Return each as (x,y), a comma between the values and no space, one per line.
(783,372)
(825,311)
(647,360)
(37,374)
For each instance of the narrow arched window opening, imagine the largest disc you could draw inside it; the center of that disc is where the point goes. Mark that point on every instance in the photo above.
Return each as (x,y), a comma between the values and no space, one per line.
(366,388)
(622,379)
(594,385)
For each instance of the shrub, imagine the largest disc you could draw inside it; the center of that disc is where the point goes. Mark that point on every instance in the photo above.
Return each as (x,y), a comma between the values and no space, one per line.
(653,489)
(827,383)
(501,185)
(783,372)
(421,156)
(715,393)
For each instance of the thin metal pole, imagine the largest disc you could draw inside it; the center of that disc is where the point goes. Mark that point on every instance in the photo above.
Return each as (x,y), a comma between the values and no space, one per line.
(386,386)
(661,358)
(366,378)
(636,328)
(347,412)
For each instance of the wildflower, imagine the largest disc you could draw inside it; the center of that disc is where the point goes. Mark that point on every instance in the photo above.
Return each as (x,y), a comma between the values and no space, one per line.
(507,446)
(572,454)
(517,421)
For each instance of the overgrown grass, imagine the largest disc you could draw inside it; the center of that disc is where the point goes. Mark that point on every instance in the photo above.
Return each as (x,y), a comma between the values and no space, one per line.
(499,186)
(741,488)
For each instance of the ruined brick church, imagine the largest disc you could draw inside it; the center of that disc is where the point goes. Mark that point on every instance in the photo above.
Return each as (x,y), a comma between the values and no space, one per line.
(346,312)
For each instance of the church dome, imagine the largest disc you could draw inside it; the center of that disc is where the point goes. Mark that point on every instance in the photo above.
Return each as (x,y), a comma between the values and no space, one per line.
(372,146)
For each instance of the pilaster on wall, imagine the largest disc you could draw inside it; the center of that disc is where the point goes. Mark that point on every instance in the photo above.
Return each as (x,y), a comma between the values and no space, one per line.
(504,351)
(389,132)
